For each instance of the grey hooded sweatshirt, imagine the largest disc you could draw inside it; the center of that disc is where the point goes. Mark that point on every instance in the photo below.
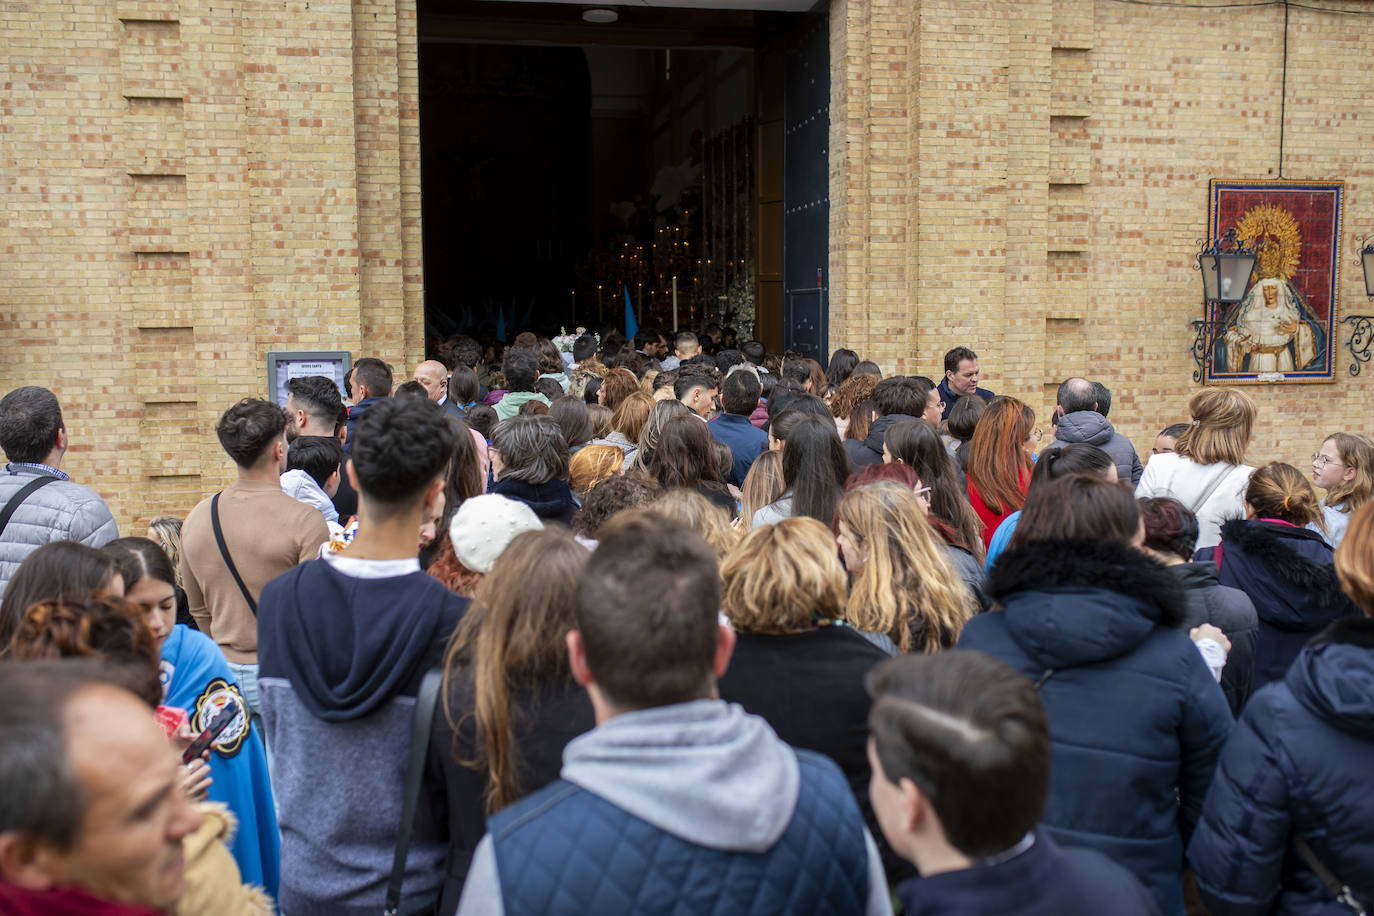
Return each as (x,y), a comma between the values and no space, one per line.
(707,772)
(1091,427)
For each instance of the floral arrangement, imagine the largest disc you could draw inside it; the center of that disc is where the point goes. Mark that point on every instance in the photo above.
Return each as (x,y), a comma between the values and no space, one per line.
(564,341)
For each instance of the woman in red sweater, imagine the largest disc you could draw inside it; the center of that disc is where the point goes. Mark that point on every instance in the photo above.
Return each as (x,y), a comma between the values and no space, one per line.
(999,461)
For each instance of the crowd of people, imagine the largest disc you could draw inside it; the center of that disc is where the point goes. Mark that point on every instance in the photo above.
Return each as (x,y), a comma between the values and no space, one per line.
(682,626)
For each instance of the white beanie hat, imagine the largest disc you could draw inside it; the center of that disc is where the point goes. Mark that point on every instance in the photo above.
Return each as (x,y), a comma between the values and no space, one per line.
(485,525)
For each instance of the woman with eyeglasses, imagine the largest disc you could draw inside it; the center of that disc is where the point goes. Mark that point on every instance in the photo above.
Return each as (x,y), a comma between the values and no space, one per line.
(901,583)
(1283,565)
(1000,457)
(1344,468)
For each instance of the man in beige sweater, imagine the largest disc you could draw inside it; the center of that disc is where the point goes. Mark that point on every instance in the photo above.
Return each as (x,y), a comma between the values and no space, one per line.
(265,533)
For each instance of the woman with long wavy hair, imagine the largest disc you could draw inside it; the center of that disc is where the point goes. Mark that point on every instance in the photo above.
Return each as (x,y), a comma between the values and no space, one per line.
(917,444)
(685,458)
(902,584)
(652,431)
(509,701)
(1000,460)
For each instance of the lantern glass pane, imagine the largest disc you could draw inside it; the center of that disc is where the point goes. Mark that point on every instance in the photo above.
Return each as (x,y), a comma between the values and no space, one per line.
(1208,263)
(1235,273)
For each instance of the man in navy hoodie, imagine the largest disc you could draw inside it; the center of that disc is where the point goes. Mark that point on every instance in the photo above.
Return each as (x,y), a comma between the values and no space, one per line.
(960,751)
(343,643)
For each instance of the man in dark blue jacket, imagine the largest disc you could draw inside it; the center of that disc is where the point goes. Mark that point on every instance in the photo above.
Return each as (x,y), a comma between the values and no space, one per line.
(961,379)
(676,799)
(960,754)
(343,643)
(739,395)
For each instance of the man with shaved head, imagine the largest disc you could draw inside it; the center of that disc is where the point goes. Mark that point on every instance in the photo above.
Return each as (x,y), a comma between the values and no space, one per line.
(1080,412)
(433,375)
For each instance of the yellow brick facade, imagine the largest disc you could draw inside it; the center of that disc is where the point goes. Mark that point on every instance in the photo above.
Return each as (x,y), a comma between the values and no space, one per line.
(1030,178)
(187,185)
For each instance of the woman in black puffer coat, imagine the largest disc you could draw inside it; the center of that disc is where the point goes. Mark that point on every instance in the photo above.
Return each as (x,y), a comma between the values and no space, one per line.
(1284,567)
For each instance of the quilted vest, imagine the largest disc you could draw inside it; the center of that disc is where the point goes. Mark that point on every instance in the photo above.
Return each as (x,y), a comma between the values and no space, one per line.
(564,850)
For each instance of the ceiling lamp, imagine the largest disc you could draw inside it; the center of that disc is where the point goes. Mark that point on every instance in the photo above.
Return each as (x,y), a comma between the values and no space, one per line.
(600,15)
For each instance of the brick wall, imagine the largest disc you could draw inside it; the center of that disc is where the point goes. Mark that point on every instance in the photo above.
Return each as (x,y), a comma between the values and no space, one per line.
(187,186)
(1029,179)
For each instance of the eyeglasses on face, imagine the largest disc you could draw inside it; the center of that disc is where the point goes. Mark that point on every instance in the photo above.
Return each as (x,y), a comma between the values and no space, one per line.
(1037,434)
(1320,461)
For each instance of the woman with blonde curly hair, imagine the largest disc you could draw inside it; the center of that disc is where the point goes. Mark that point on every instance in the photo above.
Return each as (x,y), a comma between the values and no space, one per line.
(797,662)
(902,583)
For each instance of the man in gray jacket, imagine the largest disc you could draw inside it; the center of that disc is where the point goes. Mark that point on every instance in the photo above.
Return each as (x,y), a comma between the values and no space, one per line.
(1081,420)
(39,503)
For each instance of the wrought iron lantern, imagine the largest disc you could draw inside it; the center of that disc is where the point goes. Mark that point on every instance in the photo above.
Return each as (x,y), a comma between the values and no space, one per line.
(1227,266)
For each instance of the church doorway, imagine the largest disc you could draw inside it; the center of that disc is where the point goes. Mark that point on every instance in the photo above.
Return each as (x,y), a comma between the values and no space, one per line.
(566,162)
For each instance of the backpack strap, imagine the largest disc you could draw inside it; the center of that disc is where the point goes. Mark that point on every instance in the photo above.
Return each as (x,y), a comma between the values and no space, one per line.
(1342,892)
(224,552)
(420,726)
(24,493)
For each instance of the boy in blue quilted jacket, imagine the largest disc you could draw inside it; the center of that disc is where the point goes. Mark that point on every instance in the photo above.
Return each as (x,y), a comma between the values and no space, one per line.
(677,801)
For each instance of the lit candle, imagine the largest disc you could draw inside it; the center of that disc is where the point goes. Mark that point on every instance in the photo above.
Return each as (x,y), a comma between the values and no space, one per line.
(674,302)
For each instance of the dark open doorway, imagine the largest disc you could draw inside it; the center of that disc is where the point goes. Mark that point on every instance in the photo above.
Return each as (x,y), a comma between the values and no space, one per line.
(563,162)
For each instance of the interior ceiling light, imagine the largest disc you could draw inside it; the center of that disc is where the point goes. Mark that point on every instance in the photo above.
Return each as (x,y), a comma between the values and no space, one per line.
(600,15)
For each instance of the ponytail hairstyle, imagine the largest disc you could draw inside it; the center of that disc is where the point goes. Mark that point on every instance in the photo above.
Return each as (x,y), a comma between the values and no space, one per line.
(1356,452)
(1223,419)
(1075,458)
(512,638)
(997,461)
(1281,491)
(916,443)
(906,588)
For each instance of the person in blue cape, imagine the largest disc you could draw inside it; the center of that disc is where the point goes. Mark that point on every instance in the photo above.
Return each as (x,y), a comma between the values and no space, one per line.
(196,678)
